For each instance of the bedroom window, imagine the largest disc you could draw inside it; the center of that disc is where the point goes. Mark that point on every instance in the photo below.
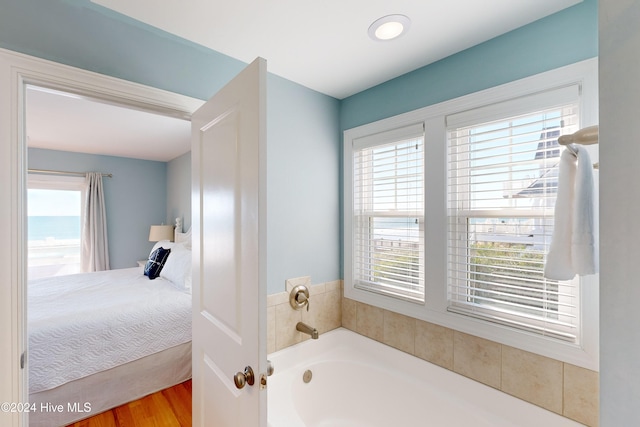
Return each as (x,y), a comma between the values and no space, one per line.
(54,210)
(502,185)
(388,213)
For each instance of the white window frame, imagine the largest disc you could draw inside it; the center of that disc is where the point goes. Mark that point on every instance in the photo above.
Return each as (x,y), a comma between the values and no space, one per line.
(369,210)
(37,181)
(434,309)
(462,210)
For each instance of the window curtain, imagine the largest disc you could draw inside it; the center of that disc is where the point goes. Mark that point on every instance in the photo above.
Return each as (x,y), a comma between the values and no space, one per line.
(95,247)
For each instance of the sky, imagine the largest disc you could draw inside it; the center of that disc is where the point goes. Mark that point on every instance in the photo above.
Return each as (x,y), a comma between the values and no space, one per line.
(53,202)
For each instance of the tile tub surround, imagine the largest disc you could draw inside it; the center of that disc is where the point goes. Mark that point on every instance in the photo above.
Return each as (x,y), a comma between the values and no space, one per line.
(325,314)
(565,389)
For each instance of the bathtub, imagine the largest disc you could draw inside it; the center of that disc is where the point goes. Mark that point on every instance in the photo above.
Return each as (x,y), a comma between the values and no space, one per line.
(358,382)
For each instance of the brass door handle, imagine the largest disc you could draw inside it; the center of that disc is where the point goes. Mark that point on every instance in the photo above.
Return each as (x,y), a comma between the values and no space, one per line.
(246,377)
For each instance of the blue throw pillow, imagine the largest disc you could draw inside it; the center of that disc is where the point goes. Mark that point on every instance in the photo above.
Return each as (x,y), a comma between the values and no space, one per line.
(156,261)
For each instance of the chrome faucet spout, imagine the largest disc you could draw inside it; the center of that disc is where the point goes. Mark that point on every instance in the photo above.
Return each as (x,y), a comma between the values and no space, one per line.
(306,329)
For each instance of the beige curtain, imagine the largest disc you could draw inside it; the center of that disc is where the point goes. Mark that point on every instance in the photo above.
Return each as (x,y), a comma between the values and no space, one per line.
(95,247)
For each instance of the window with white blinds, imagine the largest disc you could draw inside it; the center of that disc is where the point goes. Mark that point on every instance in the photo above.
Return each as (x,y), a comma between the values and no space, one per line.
(388,213)
(449,221)
(502,183)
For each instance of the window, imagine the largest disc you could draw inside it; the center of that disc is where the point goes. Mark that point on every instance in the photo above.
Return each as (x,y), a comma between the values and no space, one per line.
(388,213)
(449,212)
(54,211)
(502,185)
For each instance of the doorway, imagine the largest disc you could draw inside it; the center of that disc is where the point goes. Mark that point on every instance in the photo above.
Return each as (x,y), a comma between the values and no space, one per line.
(29,71)
(68,135)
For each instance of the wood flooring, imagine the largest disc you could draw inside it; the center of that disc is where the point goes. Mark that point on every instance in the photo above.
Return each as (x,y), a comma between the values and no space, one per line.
(170,407)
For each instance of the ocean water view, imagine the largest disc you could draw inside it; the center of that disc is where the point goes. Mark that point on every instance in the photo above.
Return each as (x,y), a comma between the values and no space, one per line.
(53,227)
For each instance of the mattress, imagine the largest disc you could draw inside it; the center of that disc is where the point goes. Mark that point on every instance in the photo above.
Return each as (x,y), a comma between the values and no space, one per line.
(86,323)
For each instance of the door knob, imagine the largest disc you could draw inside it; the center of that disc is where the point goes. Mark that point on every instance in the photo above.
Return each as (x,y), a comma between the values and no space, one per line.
(246,377)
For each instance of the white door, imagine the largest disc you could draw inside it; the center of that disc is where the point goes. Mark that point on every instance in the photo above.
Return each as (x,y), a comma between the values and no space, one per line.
(229,244)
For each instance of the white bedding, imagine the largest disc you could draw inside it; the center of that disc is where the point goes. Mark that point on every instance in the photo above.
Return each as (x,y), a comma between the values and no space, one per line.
(86,323)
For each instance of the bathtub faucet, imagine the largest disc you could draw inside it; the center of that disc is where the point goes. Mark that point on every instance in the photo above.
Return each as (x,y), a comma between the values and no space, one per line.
(306,329)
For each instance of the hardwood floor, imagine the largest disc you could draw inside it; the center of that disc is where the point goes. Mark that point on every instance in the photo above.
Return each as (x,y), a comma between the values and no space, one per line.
(167,408)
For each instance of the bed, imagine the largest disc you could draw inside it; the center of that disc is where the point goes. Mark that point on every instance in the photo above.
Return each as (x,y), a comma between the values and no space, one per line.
(98,340)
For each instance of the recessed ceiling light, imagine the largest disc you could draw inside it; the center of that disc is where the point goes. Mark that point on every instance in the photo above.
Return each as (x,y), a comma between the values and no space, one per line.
(389,27)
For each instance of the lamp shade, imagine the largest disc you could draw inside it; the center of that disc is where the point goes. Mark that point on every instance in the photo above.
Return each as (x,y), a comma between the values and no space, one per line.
(161,232)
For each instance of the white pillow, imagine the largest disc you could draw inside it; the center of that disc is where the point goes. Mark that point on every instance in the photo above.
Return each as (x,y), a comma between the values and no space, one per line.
(167,244)
(177,268)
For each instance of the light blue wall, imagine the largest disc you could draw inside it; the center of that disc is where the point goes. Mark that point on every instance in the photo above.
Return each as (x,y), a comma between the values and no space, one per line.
(302,124)
(135,197)
(179,190)
(560,39)
(302,185)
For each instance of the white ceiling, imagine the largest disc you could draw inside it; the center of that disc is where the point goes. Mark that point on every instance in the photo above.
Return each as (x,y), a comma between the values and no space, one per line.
(324,44)
(321,44)
(62,121)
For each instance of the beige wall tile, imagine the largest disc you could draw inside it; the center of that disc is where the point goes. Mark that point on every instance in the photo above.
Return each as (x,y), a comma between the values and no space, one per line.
(581,400)
(313,316)
(289,284)
(477,358)
(334,286)
(370,321)
(271,329)
(275,299)
(349,307)
(286,319)
(399,331)
(325,312)
(316,289)
(531,377)
(434,344)
(332,315)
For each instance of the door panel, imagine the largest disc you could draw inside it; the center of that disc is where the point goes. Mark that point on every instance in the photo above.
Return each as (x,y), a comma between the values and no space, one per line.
(220,207)
(229,236)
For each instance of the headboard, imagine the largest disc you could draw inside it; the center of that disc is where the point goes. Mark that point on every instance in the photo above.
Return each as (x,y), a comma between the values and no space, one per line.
(179,236)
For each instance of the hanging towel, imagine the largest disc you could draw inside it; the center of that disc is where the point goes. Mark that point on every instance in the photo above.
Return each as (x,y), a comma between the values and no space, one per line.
(573,244)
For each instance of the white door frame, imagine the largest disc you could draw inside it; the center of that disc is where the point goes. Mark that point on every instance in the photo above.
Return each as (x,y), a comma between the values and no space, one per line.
(16,71)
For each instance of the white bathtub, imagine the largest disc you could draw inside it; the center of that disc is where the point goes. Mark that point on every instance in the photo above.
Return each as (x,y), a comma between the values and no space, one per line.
(358,382)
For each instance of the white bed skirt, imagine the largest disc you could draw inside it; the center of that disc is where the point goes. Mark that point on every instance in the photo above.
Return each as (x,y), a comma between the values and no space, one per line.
(114,387)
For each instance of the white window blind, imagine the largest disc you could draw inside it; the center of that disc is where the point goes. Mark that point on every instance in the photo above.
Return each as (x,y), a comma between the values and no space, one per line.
(388,213)
(502,185)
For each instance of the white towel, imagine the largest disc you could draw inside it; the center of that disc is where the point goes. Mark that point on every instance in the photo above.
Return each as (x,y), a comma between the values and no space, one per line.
(573,244)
